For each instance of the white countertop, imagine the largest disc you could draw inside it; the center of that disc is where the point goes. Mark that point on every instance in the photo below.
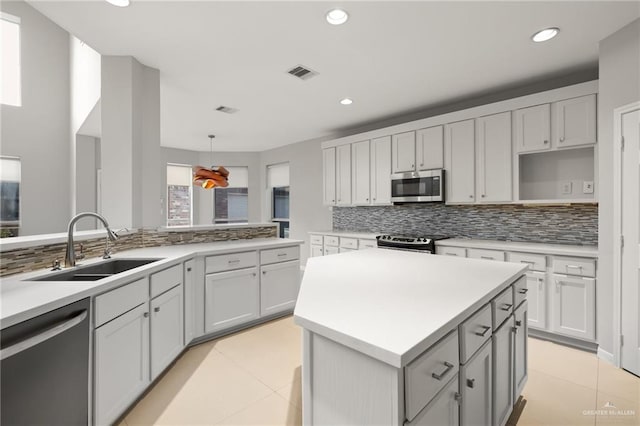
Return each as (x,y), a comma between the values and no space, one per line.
(348,234)
(392,305)
(21,298)
(542,248)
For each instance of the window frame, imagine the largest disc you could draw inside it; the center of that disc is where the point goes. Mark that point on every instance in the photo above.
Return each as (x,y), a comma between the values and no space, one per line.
(168,224)
(280,220)
(226,221)
(17,21)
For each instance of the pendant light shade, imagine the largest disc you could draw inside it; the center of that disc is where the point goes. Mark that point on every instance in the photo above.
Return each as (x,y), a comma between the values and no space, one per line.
(209,178)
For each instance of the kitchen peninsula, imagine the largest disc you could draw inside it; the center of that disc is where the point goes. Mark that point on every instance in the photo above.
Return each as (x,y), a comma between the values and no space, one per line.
(393,337)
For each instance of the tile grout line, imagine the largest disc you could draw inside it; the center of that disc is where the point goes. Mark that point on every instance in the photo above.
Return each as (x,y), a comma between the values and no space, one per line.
(240,366)
(243,409)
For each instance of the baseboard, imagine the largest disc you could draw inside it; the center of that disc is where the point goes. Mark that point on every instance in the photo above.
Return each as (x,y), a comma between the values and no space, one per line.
(607,356)
(564,340)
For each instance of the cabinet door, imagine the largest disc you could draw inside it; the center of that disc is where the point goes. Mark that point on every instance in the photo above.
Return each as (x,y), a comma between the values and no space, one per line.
(493,160)
(430,148)
(121,363)
(537,297)
(576,121)
(502,344)
(331,250)
(360,172)
(279,287)
(343,175)
(167,338)
(521,356)
(316,251)
(533,128)
(443,410)
(459,161)
(475,387)
(574,306)
(381,170)
(404,152)
(231,298)
(329,176)
(190,301)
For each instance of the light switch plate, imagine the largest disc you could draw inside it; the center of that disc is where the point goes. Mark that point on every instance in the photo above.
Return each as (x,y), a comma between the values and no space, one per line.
(587,187)
(567,187)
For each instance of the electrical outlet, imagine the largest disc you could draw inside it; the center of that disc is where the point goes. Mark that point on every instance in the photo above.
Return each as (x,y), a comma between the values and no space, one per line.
(587,187)
(567,187)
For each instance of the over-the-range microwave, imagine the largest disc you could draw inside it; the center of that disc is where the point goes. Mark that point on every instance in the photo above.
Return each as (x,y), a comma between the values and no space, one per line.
(418,187)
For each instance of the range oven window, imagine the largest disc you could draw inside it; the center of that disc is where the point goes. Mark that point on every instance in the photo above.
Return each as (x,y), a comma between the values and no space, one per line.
(416,187)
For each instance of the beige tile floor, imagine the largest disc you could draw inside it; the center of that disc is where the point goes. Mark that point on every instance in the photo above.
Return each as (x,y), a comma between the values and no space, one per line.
(253,378)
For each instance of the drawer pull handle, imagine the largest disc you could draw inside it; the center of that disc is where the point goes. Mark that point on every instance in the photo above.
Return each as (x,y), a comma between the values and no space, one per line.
(233,261)
(523,290)
(448,368)
(282,254)
(451,254)
(471,383)
(484,332)
(156,309)
(506,307)
(574,266)
(528,261)
(146,315)
(487,257)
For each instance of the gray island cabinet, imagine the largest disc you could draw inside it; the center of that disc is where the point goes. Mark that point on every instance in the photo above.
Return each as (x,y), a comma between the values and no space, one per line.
(401,338)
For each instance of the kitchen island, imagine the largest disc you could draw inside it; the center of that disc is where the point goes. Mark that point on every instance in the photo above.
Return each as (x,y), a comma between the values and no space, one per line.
(394,337)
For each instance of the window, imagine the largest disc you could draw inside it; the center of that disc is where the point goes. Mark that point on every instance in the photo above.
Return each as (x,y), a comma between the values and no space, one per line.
(10,170)
(10,36)
(179,195)
(278,185)
(231,204)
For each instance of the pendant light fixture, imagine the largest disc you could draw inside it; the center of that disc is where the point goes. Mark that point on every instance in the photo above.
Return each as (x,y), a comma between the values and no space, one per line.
(216,176)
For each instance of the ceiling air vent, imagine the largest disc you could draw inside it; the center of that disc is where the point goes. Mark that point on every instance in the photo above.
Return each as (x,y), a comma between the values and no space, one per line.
(226,109)
(302,73)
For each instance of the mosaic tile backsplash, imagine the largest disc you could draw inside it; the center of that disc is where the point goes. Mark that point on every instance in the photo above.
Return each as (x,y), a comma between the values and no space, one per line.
(572,224)
(41,257)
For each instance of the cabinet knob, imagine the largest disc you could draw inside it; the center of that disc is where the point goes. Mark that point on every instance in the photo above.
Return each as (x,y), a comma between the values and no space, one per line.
(374,199)
(412,166)
(546,142)
(421,164)
(483,195)
(562,139)
(254,274)
(458,397)
(366,199)
(471,383)
(146,315)
(188,269)
(470,196)
(156,309)
(518,323)
(264,272)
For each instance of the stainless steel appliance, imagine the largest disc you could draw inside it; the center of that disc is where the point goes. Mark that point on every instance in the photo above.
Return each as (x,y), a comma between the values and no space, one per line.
(417,244)
(414,187)
(45,369)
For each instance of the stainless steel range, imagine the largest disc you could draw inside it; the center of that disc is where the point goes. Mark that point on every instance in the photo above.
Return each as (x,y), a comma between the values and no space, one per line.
(417,244)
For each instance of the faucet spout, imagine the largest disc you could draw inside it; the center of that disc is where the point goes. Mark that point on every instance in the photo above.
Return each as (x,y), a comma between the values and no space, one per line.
(70,257)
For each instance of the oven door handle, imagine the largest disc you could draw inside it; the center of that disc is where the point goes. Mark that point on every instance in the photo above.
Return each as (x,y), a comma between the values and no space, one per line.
(49,333)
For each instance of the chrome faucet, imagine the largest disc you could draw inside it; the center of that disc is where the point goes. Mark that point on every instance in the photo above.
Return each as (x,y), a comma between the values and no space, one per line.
(70,256)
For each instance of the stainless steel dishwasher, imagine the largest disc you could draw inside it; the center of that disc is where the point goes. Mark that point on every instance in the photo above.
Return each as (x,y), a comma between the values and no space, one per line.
(44,368)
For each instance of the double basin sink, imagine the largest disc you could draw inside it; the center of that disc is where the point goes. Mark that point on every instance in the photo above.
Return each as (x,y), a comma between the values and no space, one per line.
(96,271)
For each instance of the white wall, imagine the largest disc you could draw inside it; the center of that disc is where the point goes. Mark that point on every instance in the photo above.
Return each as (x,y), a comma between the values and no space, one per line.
(619,85)
(39,131)
(85,170)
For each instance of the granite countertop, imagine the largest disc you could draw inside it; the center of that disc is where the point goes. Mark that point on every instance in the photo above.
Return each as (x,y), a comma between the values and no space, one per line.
(22,298)
(393,305)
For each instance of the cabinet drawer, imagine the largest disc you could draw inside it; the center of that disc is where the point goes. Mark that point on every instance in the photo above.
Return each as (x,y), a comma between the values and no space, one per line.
(485,254)
(366,244)
(315,239)
(536,262)
(227,262)
(452,251)
(283,254)
(520,291)
(164,280)
(474,332)
(118,301)
(331,240)
(574,266)
(430,372)
(502,307)
(350,243)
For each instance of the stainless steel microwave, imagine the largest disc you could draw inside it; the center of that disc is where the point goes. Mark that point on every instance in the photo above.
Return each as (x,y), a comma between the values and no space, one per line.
(417,187)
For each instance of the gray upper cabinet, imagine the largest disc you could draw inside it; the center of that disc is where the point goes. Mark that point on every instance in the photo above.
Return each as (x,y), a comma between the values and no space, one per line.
(533,128)
(404,152)
(343,175)
(459,156)
(329,176)
(493,158)
(430,148)
(575,122)
(381,170)
(360,173)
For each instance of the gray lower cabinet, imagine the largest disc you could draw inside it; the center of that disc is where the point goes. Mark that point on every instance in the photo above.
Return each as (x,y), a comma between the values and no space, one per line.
(537,297)
(231,298)
(502,343)
(190,301)
(121,363)
(574,306)
(167,332)
(520,366)
(475,388)
(279,285)
(443,410)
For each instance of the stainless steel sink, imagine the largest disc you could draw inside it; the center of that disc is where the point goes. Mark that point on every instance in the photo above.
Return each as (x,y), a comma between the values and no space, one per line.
(96,271)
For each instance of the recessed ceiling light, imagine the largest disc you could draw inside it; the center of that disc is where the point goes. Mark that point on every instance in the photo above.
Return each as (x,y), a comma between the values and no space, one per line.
(337,16)
(119,3)
(546,34)
(346,101)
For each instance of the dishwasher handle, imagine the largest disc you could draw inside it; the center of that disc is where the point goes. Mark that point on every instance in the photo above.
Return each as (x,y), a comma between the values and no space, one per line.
(32,341)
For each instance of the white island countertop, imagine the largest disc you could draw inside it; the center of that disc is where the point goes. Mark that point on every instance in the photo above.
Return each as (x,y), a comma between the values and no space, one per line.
(392,305)
(22,298)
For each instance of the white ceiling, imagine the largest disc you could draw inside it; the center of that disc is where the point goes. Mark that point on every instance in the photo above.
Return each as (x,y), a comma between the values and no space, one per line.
(390,57)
